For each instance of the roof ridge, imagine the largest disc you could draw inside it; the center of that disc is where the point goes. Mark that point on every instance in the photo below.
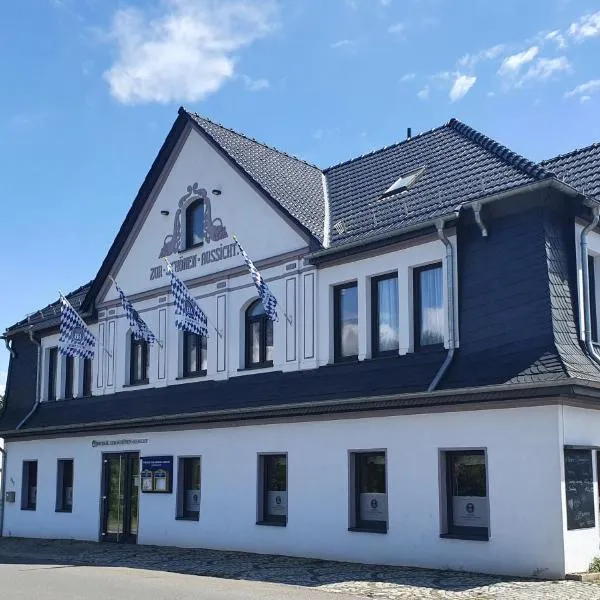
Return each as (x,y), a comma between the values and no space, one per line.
(526,166)
(195,115)
(571,153)
(373,152)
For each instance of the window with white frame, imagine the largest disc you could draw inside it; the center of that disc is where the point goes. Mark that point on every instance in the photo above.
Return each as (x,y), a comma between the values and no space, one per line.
(428,302)
(593,263)
(138,361)
(385,315)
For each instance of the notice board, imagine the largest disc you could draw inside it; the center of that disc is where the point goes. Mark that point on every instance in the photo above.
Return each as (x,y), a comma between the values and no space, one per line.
(579,489)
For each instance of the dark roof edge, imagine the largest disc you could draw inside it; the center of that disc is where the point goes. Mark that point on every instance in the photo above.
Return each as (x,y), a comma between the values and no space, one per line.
(573,152)
(517,161)
(455,397)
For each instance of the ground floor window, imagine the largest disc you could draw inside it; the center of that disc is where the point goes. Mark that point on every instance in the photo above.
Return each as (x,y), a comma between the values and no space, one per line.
(466,494)
(64,486)
(272,477)
(188,488)
(369,507)
(29,485)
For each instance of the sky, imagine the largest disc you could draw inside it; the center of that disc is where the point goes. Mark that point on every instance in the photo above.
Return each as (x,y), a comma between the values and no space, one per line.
(90,88)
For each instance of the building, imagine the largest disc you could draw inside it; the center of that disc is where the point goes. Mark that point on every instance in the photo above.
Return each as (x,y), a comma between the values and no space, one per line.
(429,395)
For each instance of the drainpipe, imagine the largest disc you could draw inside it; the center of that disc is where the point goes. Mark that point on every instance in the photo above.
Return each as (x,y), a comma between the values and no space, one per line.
(9,347)
(477,214)
(587,313)
(450,296)
(2,488)
(37,380)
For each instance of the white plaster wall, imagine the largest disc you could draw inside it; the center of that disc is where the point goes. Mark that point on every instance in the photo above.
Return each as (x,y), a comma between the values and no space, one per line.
(581,427)
(526,532)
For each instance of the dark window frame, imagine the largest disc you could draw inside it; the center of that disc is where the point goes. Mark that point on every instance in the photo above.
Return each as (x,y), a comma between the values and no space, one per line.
(458,531)
(265,323)
(133,379)
(417,306)
(182,479)
(189,224)
(337,325)
(592,286)
(69,382)
(356,523)
(201,346)
(30,470)
(375,341)
(86,386)
(263,477)
(52,372)
(65,473)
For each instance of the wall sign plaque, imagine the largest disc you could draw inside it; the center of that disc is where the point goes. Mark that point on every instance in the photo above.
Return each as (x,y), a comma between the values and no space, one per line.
(157,474)
(579,489)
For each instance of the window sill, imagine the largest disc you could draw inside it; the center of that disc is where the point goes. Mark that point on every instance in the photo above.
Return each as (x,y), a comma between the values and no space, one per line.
(192,519)
(195,375)
(137,383)
(466,536)
(341,360)
(367,530)
(430,348)
(63,510)
(31,508)
(272,523)
(266,365)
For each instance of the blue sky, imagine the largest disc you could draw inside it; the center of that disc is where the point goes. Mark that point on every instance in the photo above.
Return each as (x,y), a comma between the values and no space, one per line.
(91,88)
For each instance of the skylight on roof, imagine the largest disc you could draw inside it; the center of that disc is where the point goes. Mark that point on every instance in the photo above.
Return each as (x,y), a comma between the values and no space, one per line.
(403,183)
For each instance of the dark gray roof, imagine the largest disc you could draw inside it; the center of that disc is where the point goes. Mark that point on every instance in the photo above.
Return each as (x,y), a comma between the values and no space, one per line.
(579,168)
(294,184)
(460,163)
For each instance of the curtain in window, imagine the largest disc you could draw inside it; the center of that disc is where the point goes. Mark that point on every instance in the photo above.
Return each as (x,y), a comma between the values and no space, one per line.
(432,306)
(387,293)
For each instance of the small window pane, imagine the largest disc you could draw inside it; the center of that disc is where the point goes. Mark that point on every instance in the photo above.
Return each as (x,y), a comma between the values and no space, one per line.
(52,372)
(192,353)
(87,377)
(346,299)
(64,495)
(370,482)
(203,354)
(69,376)
(386,329)
(29,485)
(255,342)
(269,340)
(139,357)
(195,224)
(430,306)
(593,296)
(189,488)
(274,474)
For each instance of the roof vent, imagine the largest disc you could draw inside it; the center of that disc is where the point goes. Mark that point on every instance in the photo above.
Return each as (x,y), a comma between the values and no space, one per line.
(340,227)
(403,183)
(408,133)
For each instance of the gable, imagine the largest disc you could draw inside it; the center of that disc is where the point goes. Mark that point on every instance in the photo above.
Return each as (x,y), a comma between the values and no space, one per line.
(232,205)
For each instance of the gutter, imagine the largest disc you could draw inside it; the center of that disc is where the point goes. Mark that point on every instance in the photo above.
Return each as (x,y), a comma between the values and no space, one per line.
(587,312)
(38,380)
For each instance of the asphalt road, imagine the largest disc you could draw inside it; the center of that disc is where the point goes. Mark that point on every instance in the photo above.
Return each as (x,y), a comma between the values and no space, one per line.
(66,582)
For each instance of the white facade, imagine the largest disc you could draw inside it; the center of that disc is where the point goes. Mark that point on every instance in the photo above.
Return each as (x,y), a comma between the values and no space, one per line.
(527,535)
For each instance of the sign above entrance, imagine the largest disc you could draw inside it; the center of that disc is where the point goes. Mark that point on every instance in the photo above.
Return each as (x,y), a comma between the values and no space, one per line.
(157,474)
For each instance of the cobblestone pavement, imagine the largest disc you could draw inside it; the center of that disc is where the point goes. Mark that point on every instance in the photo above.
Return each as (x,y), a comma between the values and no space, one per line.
(366,581)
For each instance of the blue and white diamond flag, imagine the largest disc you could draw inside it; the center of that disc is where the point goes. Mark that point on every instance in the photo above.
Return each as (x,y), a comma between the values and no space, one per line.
(75,339)
(188,315)
(139,329)
(268,300)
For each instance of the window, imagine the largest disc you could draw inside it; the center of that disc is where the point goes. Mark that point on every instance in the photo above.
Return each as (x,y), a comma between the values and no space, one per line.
(403,183)
(69,377)
(345,317)
(272,477)
(87,377)
(29,485)
(64,486)
(194,224)
(138,362)
(369,510)
(593,308)
(384,307)
(466,494)
(194,354)
(259,337)
(429,306)
(52,372)
(188,489)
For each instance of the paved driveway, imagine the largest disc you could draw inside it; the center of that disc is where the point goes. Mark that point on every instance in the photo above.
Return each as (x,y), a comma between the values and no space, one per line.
(86,571)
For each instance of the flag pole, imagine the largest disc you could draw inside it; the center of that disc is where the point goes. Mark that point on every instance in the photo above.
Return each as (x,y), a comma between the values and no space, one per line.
(169,269)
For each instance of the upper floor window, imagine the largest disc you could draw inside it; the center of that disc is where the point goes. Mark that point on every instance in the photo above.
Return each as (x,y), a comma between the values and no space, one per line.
(428,306)
(69,377)
(194,354)
(345,317)
(259,337)
(385,311)
(87,377)
(138,365)
(593,297)
(52,372)
(194,224)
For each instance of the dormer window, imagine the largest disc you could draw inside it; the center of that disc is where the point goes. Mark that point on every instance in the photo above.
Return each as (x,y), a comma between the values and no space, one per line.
(194,224)
(403,183)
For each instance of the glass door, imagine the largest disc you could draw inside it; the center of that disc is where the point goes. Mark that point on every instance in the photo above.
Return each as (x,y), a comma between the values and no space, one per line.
(120,497)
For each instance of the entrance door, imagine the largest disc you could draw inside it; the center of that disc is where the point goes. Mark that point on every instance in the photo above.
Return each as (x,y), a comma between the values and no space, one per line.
(120,495)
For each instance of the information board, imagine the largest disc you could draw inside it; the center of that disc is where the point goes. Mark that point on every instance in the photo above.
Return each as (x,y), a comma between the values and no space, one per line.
(157,474)
(579,489)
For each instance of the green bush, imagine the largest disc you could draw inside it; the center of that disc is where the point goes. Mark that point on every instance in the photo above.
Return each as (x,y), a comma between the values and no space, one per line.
(594,565)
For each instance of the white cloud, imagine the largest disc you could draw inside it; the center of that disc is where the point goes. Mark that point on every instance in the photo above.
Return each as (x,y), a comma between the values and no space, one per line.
(512,64)
(424,93)
(544,68)
(385,2)
(186,52)
(407,77)
(585,99)
(557,37)
(470,60)
(397,28)
(586,27)
(255,85)
(584,90)
(344,44)
(462,84)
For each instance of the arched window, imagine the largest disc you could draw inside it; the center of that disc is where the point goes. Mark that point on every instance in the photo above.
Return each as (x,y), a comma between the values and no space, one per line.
(194,224)
(138,362)
(259,337)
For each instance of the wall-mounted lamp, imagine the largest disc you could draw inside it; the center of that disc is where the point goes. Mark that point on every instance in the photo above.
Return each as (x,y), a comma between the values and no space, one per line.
(217,192)
(164,212)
